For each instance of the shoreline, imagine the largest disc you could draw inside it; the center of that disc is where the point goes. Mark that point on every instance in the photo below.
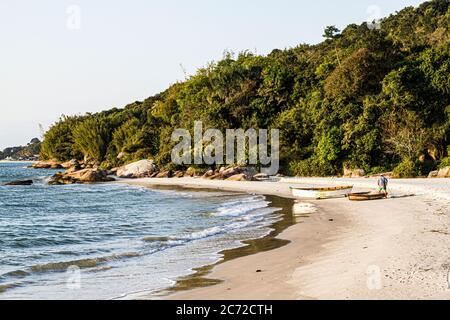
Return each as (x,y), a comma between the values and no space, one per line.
(386,249)
(201,276)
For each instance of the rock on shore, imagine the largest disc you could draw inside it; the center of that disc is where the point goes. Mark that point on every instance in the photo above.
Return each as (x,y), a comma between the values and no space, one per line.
(139,169)
(47,164)
(20,183)
(81,176)
(444,172)
(233,173)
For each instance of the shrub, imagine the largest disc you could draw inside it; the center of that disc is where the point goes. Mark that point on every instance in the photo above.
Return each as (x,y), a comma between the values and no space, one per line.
(311,168)
(378,170)
(445,162)
(406,169)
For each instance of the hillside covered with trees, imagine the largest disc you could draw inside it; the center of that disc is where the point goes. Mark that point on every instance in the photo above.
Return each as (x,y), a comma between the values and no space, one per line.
(368,97)
(28,152)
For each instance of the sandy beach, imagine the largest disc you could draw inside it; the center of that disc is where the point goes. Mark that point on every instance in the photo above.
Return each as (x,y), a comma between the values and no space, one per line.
(396,248)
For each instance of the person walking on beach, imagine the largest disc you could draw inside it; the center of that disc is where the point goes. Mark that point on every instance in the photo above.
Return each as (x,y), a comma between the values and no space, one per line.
(382,184)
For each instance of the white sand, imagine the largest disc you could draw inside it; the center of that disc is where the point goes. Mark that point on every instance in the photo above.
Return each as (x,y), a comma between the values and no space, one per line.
(397,248)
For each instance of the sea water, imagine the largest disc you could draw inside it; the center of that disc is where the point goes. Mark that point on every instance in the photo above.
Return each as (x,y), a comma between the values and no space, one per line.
(106,241)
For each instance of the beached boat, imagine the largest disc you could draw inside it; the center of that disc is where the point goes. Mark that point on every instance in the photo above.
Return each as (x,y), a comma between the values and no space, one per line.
(321,193)
(365,196)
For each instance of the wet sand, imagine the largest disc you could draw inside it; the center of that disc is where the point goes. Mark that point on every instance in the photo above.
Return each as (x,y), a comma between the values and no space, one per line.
(396,248)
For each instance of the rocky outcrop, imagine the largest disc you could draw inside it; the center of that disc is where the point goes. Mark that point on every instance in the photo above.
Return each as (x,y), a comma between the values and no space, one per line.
(48,164)
(226,173)
(164,174)
(154,174)
(354,173)
(147,169)
(20,183)
(139,169)
(73,166)
(70,164)
(433,174)
(444,172)
(81,176)
(441,173)
(208,174)
(178,174)
(261,177)
(238,177)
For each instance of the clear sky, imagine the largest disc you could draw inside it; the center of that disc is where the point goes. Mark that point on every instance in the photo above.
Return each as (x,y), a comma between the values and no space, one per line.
(69,57)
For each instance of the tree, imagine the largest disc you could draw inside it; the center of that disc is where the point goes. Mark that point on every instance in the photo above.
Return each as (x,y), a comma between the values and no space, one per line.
(364,98)
(329,147)
(405,135)
(92,137)
(58,140)
(128,137)
(331,32)
(359,75)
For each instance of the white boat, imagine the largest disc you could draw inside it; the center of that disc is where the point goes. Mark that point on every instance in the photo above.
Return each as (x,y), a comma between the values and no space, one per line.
(321,193)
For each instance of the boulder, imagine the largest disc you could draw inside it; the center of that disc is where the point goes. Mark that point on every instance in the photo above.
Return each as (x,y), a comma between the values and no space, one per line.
(231,172)
(91,175)
(73,169)
(261,177)
(154,174)
(61,178)
(433,174)
(225,173)
(139,169)
(190,172)
(354,173)
(20,183)
(70,164)
(444,172)
(215,176)
(48,164)
(238,177)
(208,174)
(178,174)
(81,176)
(164,174)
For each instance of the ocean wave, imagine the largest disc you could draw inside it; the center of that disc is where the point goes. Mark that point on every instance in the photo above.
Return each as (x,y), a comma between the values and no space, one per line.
(7,286)
(15,274)
(244,212)
(82,263)
(231,227)
(241,207)
(199,234)
(155,239)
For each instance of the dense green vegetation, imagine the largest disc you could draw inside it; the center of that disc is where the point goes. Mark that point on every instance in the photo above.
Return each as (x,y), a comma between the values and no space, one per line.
(370,98)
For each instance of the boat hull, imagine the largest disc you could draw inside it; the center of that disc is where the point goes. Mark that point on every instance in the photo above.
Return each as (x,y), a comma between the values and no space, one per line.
(366,196)
(320,194)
